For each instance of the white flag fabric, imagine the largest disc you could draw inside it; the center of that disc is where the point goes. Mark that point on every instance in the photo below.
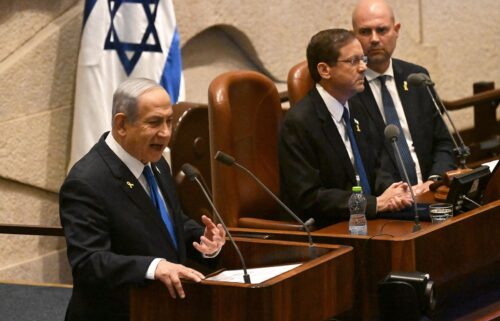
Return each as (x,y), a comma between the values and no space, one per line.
(121,39)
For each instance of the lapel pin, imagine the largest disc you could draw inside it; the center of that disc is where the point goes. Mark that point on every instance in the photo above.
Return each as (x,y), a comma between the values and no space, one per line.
(405,85)
(356,122)
(130,185)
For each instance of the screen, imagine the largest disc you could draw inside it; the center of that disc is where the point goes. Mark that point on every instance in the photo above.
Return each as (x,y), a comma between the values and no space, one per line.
(469,185)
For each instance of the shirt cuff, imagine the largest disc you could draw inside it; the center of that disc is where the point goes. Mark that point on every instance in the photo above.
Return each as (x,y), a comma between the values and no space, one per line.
(434,178)
(211,256)
(150,273)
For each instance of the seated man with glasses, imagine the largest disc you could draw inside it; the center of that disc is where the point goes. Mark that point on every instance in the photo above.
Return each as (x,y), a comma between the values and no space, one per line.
(323,147)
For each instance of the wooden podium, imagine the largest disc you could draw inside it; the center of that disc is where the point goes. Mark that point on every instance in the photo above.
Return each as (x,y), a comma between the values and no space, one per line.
(461,255)
(318,289)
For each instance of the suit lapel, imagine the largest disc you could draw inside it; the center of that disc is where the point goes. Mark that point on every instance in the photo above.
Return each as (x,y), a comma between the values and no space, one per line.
(332,134)
(133,189)
(410,105)
(370,105)
(405,96)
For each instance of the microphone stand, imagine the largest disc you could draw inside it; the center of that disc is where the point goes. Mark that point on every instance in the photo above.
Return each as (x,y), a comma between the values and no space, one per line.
(229,160)
(192,174)
(462,151)
(417,226)
(246,276)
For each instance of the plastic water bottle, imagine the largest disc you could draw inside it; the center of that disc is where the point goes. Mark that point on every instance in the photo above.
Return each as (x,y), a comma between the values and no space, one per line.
(357,207)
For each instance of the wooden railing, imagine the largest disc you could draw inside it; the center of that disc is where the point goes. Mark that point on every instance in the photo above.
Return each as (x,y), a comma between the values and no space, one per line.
(31,230)
(484,137)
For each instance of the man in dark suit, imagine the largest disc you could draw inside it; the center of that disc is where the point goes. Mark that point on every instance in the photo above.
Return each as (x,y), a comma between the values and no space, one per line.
(324,141)
(121,218)
(388,98)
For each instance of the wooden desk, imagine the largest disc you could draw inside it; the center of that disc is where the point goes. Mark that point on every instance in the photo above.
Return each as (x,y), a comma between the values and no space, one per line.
(461,255)
(316,290)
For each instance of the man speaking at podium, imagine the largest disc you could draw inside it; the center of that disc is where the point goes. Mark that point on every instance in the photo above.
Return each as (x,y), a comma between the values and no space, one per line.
(121,218)
(426,145)
(324,140)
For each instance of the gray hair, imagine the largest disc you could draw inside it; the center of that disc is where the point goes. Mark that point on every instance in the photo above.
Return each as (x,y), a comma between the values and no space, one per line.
(126,96)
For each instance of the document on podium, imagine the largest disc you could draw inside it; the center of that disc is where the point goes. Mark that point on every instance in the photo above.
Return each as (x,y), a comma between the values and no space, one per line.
(257,275)
(492,165)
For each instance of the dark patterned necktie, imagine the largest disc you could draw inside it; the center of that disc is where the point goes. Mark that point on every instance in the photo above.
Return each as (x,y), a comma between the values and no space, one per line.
(391,117)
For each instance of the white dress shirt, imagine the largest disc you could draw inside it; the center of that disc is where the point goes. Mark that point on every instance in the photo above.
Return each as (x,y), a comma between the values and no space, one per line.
(336,110)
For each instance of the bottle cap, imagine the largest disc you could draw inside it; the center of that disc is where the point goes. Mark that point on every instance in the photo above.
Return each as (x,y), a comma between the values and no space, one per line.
(357,189)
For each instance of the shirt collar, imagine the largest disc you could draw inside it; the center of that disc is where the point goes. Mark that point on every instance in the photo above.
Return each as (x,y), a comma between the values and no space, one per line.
(132,163)
(371,74)
(335,108)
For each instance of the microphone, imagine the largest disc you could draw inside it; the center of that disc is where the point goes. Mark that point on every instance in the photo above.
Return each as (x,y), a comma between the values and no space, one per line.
(419,79)
(230,161)
(422,79)
(391,132)
(192,174)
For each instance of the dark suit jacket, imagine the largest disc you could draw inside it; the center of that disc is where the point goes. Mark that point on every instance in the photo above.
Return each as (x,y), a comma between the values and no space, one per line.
(316,174)
(431,139)
(113,232)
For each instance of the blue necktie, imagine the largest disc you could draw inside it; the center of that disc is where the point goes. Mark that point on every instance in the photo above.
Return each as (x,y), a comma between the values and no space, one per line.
(157,202)
(391,117)
(358,162)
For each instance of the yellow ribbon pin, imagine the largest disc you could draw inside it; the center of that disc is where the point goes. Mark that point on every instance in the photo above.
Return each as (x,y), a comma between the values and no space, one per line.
(356,122)
(130,185)
(405,85)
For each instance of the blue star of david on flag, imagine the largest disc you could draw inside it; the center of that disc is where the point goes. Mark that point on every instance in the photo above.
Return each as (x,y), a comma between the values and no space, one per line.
(113,41)
(121,39)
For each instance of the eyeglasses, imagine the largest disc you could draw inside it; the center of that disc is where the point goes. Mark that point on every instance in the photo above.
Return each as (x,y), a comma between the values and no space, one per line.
(355,60)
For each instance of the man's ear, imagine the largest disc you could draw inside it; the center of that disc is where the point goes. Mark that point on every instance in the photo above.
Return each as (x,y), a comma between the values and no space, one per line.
(323,70)
(120,124)
(397,27)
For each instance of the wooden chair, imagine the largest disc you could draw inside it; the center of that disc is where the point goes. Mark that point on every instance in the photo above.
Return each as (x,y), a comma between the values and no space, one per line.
(190,144)
(299,82)
(244,118)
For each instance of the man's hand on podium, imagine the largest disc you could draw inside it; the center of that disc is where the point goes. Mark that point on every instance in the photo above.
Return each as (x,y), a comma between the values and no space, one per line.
(171,274)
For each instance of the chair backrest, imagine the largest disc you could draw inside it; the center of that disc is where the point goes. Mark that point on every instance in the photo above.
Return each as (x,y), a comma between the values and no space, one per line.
(190,144)
(244,117)
(299,82)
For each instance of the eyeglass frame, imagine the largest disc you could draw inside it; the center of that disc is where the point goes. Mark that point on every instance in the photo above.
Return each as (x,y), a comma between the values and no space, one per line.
(355,60)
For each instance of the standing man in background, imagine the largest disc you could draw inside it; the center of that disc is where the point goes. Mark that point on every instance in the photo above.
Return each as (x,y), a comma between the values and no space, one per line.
(121,217)
(425,143)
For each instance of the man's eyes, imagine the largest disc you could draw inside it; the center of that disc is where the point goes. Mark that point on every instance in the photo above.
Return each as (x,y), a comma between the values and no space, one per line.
(367,32)
(159,121)
(382,31)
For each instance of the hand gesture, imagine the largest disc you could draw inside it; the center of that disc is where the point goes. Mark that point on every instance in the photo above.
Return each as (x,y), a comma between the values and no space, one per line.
(212,240)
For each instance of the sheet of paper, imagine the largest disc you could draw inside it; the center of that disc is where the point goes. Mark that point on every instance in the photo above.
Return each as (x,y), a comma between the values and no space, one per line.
(257,275)
(491,165)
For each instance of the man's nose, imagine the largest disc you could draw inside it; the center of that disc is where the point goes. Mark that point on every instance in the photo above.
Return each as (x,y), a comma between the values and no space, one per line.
(362,66)
(374,37)
(165,130)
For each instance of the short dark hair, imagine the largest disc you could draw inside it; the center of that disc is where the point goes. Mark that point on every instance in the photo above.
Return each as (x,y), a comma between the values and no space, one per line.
(126,96)
(325,47)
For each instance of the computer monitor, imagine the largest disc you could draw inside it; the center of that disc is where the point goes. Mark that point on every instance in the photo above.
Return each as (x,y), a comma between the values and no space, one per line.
(466,190)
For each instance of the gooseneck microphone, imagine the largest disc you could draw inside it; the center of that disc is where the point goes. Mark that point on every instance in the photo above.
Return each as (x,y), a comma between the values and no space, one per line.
(192,174)
(422,79)
(391,132)
(230,161)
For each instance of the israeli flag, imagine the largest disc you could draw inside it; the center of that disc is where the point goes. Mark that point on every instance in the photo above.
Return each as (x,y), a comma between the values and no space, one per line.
(121,39)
